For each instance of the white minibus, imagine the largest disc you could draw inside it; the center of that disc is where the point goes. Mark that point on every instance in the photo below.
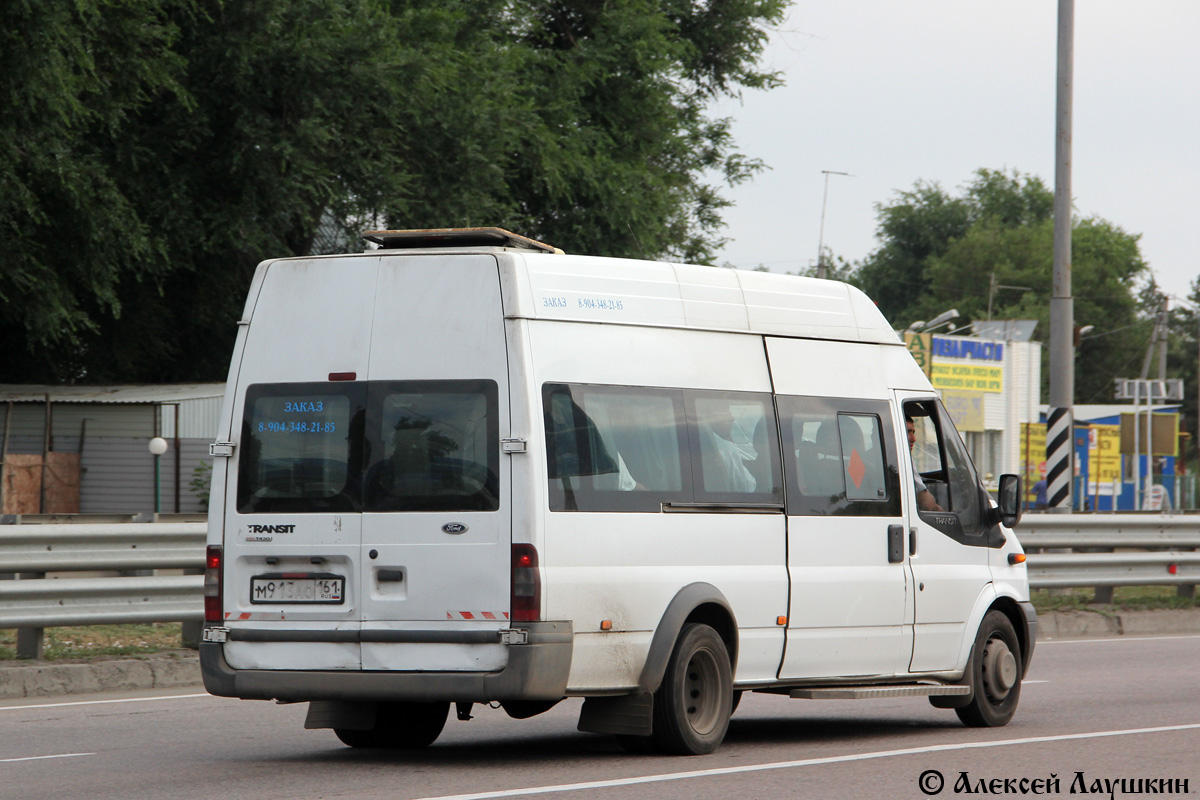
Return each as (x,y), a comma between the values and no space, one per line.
(466,468)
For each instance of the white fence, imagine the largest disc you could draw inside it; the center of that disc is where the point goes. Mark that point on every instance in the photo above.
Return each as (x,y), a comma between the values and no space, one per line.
(1065,550)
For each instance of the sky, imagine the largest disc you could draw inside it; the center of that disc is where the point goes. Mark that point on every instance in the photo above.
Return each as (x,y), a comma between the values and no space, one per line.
(899,91)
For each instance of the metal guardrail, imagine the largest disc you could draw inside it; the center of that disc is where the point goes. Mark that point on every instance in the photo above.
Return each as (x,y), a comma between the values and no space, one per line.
(120,546)
(101,601)
(1065,550)
(1077,550)
(34,601)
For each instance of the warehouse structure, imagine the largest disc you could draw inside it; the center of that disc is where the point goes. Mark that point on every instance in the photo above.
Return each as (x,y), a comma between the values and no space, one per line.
(85,449)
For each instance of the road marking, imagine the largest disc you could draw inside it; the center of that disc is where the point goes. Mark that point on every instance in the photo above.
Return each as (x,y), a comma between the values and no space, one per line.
(106,702)
(1121,638)
(808,762)
(42,758)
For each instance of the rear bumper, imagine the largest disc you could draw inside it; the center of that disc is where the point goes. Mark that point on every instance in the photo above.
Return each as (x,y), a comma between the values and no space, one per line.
(536,670)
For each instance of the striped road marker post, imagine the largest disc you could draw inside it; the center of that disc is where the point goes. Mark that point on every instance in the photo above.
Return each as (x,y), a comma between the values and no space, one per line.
(1058,459)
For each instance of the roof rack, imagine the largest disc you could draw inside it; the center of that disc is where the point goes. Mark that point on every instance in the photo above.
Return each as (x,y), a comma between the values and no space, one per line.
(454,237)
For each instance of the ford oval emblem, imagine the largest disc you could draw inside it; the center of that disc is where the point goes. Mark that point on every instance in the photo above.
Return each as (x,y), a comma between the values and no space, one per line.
(454,527)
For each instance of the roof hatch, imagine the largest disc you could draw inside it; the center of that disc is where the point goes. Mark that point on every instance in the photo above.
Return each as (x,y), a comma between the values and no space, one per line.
(454,237)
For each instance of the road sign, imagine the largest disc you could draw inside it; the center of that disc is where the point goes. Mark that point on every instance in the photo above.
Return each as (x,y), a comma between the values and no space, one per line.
(1148,390)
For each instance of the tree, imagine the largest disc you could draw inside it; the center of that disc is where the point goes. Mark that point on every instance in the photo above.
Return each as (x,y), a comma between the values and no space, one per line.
(71,77)
(941,251)
(158,149)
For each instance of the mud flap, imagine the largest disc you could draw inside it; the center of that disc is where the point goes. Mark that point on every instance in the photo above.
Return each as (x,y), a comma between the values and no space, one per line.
(631,714)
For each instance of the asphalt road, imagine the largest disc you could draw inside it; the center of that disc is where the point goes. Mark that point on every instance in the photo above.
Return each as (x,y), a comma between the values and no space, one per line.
(1110,709)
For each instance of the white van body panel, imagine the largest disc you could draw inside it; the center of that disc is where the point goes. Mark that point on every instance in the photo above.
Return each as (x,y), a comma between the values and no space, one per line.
(456,579)
(295,290)
(850,611)
(655,294)
(626,568)
(815,368)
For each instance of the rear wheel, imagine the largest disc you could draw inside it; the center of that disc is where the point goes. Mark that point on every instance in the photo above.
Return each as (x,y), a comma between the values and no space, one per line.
(400,726)
(995,674)
(692,707)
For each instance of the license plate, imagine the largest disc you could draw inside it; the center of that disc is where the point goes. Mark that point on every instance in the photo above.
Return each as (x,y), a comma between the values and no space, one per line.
(282,587)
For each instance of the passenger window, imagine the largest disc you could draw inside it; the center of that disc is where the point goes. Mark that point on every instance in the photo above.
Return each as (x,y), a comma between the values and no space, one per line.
(614,448)
(840,457)
(862,456)
(941,463)
(738,454)
(301,448)
(434,448)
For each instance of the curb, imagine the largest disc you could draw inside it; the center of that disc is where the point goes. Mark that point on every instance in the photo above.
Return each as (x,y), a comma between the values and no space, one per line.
(1088,622)
(49,679)
(181,668)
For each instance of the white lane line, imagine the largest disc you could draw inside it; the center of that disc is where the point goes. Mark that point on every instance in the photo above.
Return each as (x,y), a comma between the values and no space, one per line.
(1026,683)
(1119,638)
(808,762)
(43,758)
(106,702)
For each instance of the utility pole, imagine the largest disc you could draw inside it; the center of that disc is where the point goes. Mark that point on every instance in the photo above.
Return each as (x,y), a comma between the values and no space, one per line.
(1060,437)
(822,269)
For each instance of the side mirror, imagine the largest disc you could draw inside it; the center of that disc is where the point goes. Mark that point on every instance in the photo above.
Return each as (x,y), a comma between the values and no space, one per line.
(1008,500)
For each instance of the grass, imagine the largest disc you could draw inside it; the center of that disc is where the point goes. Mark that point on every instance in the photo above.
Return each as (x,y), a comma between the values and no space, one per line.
(99,641)
(1125,598)
(106,641)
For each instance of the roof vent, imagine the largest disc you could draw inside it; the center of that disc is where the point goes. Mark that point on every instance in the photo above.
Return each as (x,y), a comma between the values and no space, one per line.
(454,237)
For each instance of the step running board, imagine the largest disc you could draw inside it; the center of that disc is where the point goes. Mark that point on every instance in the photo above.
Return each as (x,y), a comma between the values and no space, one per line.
(870,692)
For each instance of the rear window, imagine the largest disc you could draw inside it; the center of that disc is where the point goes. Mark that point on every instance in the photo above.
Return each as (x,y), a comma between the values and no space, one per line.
(370,446)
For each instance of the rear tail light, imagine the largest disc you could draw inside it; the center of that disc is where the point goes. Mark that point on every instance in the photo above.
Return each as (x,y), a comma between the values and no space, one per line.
(526,584)
(213,611)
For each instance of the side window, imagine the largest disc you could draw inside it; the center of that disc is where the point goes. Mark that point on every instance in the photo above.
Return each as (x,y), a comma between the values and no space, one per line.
(942,465)
(926,451)
(735,453)
(862,456)
(964,483)
(839,457)
(615,448)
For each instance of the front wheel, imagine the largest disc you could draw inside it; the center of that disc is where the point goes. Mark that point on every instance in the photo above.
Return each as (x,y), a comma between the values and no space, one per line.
(400,726)
(995,674)
(692,707)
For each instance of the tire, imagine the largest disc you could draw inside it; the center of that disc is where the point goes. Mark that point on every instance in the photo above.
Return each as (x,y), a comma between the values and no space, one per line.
(400,726)
(692,707)
(995,674)
(737,701)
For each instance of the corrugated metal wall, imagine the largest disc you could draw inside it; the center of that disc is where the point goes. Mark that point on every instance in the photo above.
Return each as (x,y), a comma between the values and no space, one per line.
(102,419)
(198,419)
(118,476)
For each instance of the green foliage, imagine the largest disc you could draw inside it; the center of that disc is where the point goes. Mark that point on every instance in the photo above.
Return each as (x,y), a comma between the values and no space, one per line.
(941,251)
(72,75)
(1125,598)
(201,483)
(153,151)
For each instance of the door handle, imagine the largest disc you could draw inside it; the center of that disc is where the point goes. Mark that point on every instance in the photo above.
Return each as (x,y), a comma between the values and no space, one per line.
(387,575)
(912,541)
(895,544)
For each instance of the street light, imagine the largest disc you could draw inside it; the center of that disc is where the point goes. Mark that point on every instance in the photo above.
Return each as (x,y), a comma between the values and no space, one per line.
(822,271)
(158,446)
(941,319)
